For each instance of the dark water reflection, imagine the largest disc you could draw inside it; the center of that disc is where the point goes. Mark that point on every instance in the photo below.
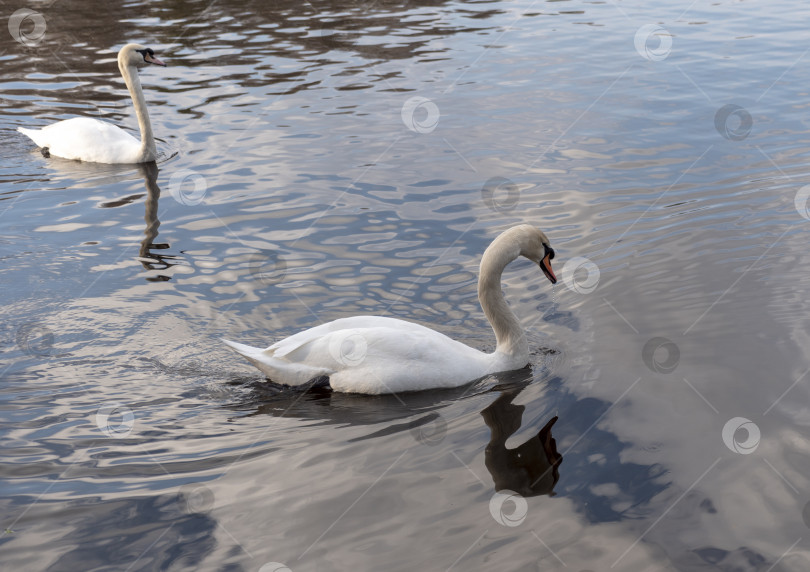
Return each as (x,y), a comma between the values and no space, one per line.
(530,469)
(300,181)
(153,260)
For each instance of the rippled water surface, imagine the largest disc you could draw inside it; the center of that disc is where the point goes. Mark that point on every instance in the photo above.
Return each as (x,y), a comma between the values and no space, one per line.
(321,160)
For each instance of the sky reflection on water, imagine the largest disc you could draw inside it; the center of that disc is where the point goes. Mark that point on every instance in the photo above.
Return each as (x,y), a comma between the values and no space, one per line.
(324,160)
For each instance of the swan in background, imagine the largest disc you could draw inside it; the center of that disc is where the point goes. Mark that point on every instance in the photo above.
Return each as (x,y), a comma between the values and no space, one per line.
(375,355)
(86,139)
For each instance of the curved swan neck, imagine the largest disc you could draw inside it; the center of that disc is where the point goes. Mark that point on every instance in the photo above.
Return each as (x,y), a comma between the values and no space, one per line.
(508,331)
(133,81)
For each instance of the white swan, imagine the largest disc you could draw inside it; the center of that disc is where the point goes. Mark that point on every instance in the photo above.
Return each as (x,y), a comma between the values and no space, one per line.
(374,355)
(86,139)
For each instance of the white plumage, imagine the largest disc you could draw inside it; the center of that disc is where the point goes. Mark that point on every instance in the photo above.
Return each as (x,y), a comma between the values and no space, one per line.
(375,355)
(93,140)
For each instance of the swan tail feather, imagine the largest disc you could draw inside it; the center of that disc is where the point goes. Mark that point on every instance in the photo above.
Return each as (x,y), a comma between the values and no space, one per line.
(277,370)
(32,134)
(243,349)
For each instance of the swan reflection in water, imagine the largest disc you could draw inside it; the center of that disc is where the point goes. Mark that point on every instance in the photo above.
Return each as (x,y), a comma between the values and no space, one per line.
(530,469)
(153,260)
(78,174)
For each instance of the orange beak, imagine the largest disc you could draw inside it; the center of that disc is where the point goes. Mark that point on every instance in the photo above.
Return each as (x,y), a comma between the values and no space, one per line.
(545,266)
(153,60)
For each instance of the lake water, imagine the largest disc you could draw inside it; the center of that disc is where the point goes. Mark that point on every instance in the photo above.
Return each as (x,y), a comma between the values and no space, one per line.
(321,160)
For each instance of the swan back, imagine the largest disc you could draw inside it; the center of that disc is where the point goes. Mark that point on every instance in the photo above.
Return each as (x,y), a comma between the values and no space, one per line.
(87,139)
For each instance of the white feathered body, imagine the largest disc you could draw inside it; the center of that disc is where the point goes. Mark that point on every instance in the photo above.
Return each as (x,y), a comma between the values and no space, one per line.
(87,139)
(374,355)
(96,141)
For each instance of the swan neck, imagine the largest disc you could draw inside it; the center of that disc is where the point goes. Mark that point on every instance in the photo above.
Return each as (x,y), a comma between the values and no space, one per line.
(133,81)
(508,332)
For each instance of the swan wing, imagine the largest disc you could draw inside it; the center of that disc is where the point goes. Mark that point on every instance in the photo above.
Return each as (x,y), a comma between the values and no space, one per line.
(340,326)
(370,354)
(87,139)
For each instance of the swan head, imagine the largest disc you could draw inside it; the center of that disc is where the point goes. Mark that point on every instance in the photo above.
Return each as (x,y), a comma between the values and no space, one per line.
(136,55)
(535,246)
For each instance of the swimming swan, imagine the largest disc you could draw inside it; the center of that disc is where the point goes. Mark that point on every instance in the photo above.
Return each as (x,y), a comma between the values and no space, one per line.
(86,139)
(374,354)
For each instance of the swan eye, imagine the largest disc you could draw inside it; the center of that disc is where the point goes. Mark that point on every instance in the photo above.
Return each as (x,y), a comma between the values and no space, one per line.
(549,252)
